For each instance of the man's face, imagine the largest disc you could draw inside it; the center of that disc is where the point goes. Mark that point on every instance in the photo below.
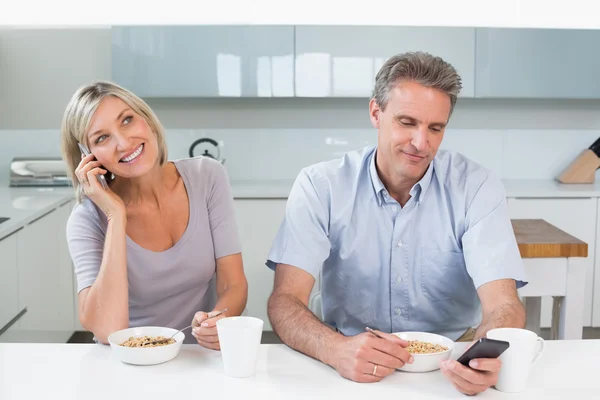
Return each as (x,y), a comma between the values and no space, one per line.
(410,129)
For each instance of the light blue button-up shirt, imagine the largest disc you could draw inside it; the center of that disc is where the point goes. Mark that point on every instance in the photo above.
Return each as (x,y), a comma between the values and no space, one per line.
(393,268)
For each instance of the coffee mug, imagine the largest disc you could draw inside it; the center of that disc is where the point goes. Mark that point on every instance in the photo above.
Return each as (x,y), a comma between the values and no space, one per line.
(518,359)
(240,344)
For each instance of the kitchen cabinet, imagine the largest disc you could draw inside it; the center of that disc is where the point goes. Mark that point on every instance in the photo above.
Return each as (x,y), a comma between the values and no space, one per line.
(204,61)
(537,63)
(68,263)
(576,216)
(596,299)
(258,222)
(342,61)
(9,306)
(46,276)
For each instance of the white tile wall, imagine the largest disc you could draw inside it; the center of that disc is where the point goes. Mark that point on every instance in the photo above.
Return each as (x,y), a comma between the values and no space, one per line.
(279,154)
(534,154)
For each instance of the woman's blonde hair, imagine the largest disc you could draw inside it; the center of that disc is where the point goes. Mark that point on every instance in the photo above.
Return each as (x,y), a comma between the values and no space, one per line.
(79,113)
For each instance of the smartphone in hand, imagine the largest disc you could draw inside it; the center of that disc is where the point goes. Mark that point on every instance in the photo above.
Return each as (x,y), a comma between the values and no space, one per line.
(101,178)
(483,348)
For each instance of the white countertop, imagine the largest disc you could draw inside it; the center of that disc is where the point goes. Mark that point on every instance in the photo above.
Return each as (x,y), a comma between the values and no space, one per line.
(23,205)
(280,189)
(549,188)
(567,370)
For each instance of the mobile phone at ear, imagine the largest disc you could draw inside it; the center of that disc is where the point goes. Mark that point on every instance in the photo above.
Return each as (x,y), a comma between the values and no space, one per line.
(101,178)
(483,348)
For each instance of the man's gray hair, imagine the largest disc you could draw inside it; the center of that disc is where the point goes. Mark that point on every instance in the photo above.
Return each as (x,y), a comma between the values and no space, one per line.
(420,67)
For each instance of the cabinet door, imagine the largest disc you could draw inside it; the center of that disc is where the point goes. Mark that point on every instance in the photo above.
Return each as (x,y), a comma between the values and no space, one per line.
(342,61)
(596,305)
(537,63)
(66,304)
(45,285)
(66,253)
(258,222)
(9,307)
(577,217)
(204,61)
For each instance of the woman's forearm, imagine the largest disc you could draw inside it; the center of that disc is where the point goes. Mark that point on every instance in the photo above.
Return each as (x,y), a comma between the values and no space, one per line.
(105,308)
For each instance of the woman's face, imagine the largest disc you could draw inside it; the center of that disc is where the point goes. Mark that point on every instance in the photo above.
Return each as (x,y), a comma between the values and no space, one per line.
(122,140)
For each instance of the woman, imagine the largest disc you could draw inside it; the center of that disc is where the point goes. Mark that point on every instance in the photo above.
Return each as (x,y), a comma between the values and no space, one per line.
(159,246)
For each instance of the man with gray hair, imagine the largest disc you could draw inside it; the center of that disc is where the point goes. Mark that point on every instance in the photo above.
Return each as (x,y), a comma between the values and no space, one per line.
(405,237)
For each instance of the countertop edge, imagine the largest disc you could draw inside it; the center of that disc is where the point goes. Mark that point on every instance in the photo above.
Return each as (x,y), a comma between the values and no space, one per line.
(25,217)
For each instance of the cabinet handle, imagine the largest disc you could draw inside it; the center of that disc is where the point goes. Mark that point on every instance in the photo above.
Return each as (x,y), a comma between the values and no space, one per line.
(41,216)
(13,321)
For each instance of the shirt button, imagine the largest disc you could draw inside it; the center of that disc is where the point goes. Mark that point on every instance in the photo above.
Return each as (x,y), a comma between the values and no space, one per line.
(400,243)
(398,311)
(399,279)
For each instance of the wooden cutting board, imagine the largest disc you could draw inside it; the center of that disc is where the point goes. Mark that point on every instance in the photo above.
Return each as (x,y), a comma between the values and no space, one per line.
(539,239)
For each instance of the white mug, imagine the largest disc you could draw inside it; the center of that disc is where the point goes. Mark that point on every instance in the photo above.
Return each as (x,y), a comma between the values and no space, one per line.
(518,359)
(239,338)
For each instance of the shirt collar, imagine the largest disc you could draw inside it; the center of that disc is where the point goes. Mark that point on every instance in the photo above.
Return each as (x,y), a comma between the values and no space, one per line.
(417,191)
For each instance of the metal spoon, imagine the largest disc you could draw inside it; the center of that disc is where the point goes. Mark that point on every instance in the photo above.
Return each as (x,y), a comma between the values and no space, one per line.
(166,340)
(374,333)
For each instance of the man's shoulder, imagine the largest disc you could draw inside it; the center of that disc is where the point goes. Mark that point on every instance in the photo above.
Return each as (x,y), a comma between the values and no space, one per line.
(338,169)
(453,168)
(336,177)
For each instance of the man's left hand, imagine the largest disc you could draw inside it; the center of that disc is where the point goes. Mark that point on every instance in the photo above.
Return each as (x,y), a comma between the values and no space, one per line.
(471,381)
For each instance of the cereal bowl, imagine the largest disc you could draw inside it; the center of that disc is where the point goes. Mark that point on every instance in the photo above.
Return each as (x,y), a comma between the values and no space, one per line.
(428,361)
(145,355)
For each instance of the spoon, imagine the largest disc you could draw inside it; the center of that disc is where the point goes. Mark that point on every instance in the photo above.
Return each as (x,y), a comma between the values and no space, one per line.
(374,333)
(166,340)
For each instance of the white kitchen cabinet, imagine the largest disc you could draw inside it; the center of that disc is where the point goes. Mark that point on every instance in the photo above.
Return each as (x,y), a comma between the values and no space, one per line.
(577,217)
(258,222)
(342,61)
(537,63)
(204,61)
(596,300)
(45,277)
(9,303)
(66,256)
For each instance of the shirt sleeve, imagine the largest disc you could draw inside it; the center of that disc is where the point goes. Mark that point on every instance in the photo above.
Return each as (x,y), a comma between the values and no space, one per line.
(85,239)
(489,244)
(221,213)
(303,237)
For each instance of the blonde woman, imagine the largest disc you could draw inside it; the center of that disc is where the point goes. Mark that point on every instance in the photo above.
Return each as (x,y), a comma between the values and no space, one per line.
(159,245)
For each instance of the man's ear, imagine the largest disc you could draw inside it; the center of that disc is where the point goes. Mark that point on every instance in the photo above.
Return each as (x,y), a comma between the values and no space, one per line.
(374,113)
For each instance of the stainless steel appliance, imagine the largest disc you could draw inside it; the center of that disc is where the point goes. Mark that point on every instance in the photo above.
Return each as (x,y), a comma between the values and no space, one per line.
(38,171)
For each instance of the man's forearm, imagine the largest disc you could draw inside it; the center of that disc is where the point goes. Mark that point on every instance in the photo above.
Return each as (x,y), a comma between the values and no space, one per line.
(300,329)
(509,315)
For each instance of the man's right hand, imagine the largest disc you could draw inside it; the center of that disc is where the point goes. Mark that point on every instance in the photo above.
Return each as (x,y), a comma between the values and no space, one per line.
(356,357)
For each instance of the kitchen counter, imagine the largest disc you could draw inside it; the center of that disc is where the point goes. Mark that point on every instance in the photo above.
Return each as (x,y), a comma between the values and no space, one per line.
(280,189)
(24,205)
(567,369)
(549,188)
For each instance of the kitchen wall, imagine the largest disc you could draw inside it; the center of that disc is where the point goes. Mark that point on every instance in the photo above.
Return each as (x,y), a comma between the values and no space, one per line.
(257,155)
(270,138)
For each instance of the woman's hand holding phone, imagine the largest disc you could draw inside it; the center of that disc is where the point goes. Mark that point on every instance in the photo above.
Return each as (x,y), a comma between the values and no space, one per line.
(88,171)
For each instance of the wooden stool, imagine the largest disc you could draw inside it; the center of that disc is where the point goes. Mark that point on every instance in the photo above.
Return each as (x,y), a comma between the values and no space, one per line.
(548,254)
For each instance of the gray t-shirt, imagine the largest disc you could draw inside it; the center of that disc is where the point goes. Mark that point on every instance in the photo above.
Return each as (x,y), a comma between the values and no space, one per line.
(167,288)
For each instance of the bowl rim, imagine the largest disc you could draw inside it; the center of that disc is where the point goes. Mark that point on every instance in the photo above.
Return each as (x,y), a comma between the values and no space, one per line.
(450,347)
(181,335)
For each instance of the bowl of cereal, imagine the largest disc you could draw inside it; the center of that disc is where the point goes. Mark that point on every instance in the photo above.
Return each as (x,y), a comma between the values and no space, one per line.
(144,345)
(428,349)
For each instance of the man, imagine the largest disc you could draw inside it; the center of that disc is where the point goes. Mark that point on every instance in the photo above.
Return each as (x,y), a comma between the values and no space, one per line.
(406,237)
